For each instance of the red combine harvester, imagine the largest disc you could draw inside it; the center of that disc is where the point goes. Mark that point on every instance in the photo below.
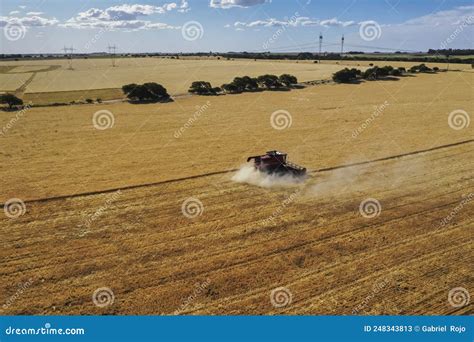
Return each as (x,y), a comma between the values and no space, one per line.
(274,162)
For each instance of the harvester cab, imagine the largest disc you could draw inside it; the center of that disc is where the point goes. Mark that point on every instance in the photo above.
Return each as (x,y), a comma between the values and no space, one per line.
(275,162)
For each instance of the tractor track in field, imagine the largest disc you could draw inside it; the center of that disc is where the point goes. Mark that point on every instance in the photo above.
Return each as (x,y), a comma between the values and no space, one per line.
(332,168)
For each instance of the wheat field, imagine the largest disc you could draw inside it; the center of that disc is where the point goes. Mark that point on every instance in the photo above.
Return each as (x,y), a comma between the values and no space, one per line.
(104,208)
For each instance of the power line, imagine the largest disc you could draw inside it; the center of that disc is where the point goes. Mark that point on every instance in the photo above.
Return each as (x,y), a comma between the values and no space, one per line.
(111,50)
(320,45)
(68,53)
(342,45)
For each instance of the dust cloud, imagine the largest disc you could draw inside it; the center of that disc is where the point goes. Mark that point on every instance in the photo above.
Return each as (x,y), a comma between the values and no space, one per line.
(248,174)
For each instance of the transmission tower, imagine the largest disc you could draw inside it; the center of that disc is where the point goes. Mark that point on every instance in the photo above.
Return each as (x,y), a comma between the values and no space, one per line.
(68,53)
(112,53)
(320,45)
(342,45)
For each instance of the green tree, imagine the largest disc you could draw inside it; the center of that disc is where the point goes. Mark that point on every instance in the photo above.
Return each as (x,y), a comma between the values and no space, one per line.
(201,88)
(269,81)
(288,80)
(11,100)
(346,75)
(231,88)
(150,91)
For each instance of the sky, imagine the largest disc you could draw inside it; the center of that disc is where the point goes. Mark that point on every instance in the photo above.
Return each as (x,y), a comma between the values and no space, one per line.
(47,26)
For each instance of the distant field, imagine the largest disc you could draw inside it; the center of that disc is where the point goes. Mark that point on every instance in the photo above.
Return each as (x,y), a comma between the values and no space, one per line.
(50,81)
(175,75)
(406,55)
(75,95)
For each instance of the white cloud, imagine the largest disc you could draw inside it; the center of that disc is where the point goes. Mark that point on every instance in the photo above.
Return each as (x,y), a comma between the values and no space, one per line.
(14,12)
(34,13)
(124,17)
(119,24)
(235,3)
(29,21)
(337,23)
(294,22)
(184,7)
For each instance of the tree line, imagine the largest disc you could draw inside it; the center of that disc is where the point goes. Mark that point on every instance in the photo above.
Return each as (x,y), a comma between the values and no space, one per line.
(246,84)
(347,75)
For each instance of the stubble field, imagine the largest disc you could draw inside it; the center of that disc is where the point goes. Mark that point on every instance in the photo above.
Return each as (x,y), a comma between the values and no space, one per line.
(104,208)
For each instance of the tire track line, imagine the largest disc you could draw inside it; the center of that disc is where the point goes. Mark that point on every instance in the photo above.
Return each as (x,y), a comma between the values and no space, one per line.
(137,186)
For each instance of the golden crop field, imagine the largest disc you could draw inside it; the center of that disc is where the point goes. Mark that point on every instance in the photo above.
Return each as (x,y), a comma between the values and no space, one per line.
(151,206)
(49,78)
(175,75)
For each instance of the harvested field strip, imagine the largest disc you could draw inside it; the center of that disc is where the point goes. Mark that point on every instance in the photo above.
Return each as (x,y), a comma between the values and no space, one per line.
(329,259)
(233,170)
(22,89)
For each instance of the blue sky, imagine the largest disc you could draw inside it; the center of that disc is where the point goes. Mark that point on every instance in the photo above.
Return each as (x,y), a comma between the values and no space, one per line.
(45,26)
